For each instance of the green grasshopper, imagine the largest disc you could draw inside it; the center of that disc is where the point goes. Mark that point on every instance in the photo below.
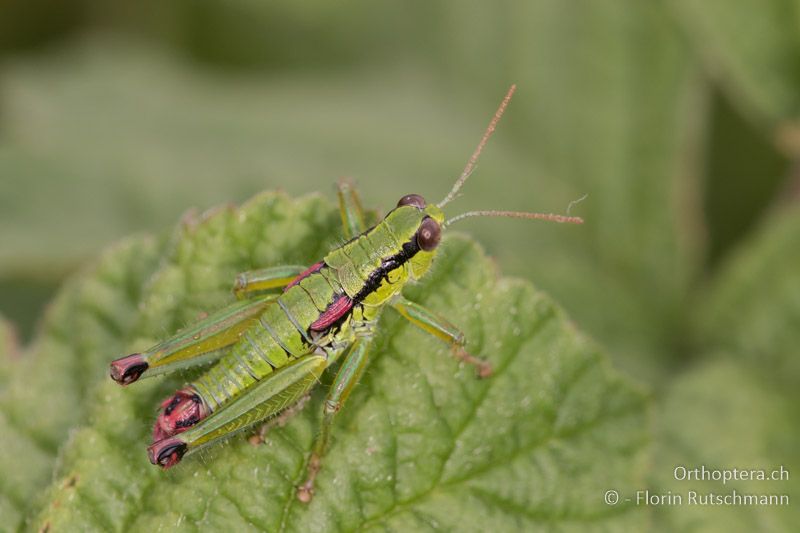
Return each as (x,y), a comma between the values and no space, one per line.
(271,349)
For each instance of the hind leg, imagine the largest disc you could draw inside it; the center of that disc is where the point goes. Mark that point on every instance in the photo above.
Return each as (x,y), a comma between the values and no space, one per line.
(258,402)
(194,345)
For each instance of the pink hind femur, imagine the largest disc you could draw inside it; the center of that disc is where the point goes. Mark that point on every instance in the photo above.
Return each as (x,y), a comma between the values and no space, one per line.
(179,412)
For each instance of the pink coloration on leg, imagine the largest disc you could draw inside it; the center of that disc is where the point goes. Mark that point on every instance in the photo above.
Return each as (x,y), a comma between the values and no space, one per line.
(167,452)
(126,370)
(304,274)
(336,310)
(179,412)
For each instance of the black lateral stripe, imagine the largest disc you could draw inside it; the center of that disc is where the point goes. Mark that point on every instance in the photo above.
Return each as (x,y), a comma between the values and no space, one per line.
(407,251)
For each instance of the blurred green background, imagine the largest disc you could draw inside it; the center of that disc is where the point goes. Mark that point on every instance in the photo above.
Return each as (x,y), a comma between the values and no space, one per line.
(677,118)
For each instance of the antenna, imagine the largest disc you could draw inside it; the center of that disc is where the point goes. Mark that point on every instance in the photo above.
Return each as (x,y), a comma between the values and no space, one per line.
(476,154)
(551,217)
(564,219)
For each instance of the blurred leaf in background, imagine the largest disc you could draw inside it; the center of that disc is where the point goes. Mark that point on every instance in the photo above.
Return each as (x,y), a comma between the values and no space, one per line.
(165,137)
(678,119)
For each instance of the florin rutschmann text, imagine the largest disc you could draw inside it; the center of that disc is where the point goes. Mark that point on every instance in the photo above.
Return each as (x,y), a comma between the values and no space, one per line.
(702,475)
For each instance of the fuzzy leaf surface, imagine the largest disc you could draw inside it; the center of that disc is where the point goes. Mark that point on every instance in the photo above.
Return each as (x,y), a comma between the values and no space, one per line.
(421,444)
(43,392)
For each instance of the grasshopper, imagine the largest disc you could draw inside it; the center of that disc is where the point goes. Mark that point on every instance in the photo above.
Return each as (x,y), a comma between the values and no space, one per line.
(271,348)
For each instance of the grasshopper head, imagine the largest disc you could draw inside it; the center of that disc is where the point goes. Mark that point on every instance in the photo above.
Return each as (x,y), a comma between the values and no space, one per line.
(424,223)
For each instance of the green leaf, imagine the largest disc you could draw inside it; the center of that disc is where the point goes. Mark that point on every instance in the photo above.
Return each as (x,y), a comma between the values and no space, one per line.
(9,350)
(737,409)
(723,416)
(752,309)
(421,444)
(751,48)
(734,202)
(9,357)
(45,393)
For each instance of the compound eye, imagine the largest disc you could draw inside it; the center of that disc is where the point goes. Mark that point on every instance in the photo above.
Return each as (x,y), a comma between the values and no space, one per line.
(429,234)
(412,199)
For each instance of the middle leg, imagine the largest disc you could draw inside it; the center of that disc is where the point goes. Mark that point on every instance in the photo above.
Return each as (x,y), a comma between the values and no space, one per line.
(439,327)
(350,209)
(259,437)
(346,379)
